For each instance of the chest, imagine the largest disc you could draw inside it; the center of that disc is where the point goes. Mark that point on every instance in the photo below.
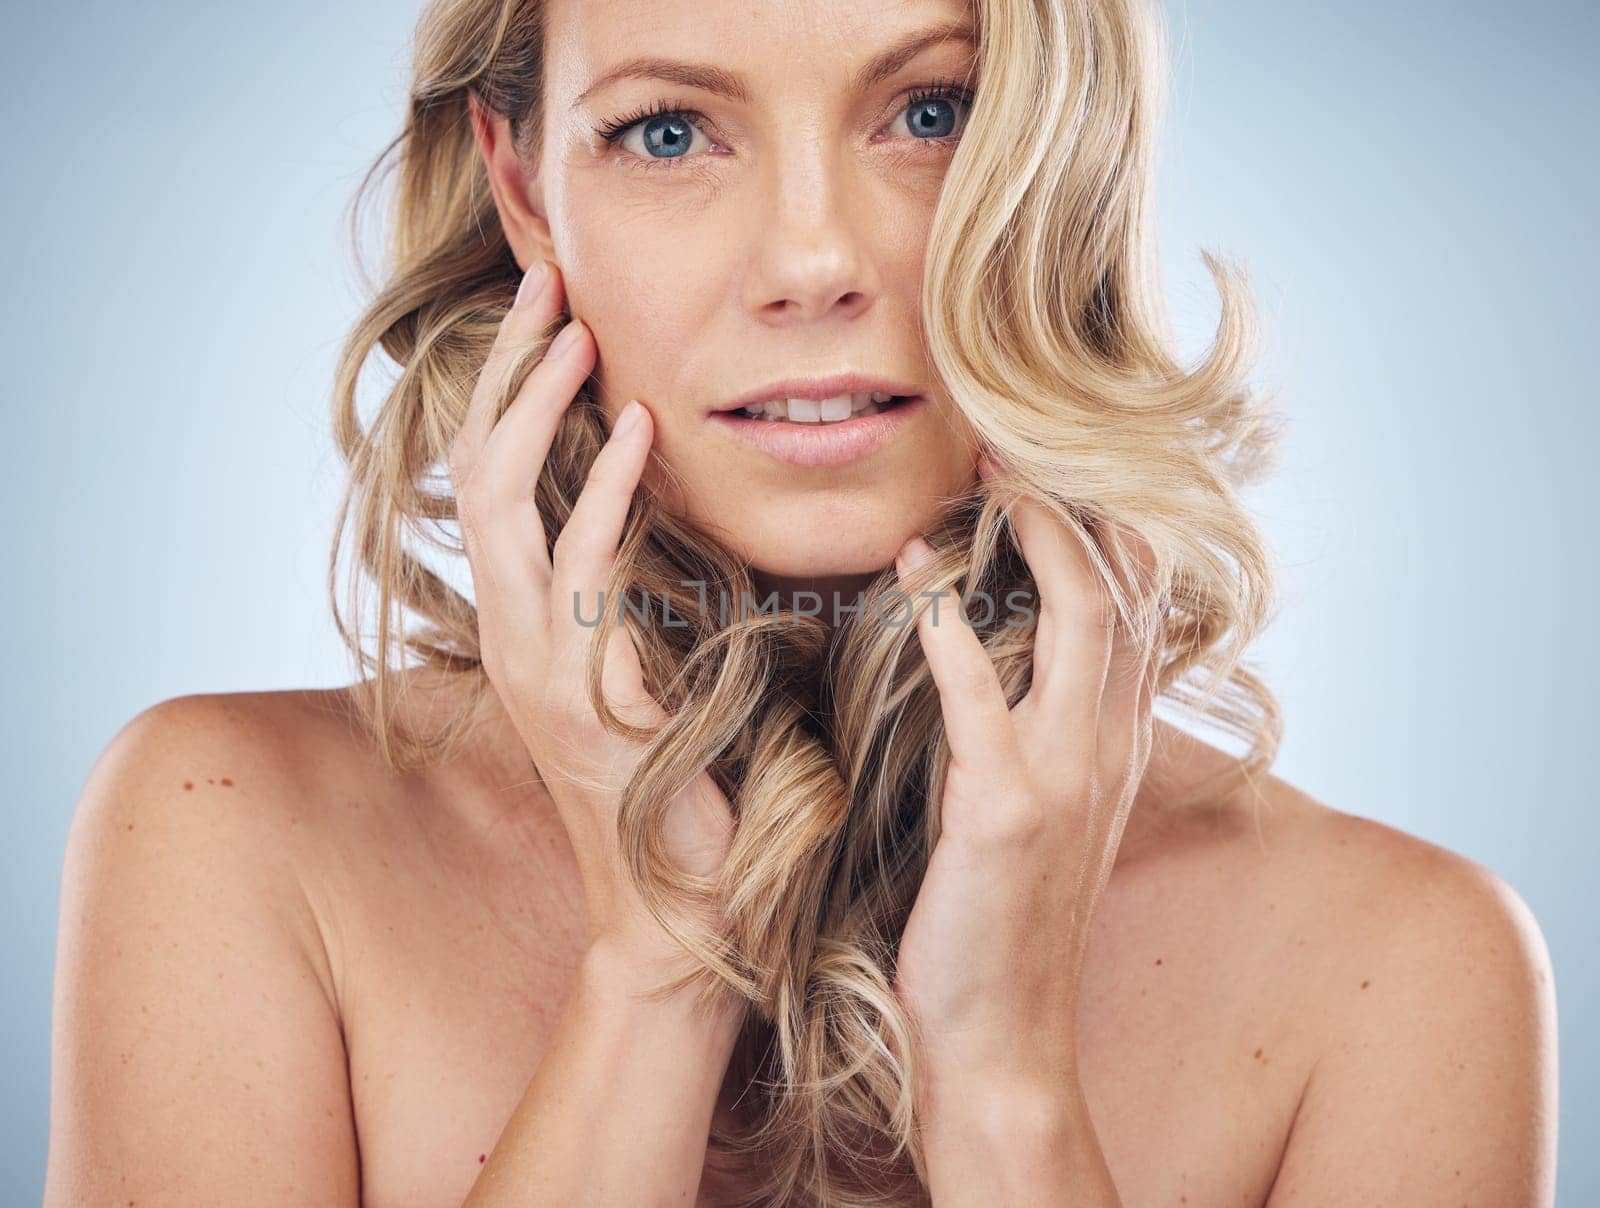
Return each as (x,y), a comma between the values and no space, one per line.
(1193,1054)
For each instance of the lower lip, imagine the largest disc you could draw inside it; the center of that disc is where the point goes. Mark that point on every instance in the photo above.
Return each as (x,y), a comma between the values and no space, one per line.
(820,444)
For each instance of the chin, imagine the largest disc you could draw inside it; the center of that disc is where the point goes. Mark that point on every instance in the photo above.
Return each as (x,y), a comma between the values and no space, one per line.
(816,532)
(858,545)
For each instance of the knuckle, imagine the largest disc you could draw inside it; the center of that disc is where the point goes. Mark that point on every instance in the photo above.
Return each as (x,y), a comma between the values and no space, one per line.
(570,552)
(1009,821)
(520,681)
(605,474)
(1088,603)
(1074,781)
(975,679)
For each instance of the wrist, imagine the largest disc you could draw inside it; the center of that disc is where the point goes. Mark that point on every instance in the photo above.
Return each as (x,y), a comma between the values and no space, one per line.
(631,983)
(1014,1141)
(1001,1108)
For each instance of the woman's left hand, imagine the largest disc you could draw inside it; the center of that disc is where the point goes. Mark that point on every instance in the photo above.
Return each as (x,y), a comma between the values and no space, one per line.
(1033,811)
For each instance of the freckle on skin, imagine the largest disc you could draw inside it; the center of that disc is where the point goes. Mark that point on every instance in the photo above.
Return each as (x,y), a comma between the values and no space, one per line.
(226,783)
(483,1157)
(210,781)
(1158,960)
(187,785)
(1258,1052)
(1365,984)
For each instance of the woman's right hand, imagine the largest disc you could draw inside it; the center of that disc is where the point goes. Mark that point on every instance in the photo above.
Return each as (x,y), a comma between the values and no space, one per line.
(533,647)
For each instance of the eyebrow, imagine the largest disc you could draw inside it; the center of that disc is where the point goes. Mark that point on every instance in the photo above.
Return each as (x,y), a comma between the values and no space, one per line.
(731,85)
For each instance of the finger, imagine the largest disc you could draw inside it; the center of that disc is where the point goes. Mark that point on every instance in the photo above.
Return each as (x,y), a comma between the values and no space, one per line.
(586,547)
(977,717)
(585,552)
(1073,642)
(499,515)
(500,522)
(537,305)
(514,456)
(990,470)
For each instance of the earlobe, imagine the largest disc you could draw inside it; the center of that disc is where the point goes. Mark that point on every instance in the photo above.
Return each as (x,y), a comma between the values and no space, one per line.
(514,188)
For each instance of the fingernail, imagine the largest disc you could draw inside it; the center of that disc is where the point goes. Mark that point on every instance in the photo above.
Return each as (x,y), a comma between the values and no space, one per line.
(915,552)
(532,281)
(629,419)
(565,339)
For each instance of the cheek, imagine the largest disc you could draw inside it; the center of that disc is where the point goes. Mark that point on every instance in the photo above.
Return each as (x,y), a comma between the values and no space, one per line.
(649,302)
(628,252)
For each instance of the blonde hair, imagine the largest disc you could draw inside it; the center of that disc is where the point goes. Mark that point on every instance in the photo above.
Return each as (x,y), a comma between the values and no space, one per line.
(1043,314)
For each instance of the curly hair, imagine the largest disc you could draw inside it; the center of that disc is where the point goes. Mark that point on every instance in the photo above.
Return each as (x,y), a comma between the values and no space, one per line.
(1043,314)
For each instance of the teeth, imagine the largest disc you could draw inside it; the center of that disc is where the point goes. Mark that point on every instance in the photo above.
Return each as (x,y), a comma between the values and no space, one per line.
(819,411)
(833,408)
(805,411)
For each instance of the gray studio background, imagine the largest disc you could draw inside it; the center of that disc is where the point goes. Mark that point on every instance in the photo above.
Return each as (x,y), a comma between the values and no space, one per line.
(1411,185)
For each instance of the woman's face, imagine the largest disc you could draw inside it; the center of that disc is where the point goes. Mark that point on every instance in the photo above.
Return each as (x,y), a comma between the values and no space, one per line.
(760,230)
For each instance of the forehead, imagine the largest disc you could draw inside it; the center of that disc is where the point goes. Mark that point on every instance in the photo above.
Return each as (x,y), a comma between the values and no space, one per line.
(763,43)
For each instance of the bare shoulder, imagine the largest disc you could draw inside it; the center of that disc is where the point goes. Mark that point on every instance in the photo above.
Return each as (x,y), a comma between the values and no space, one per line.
(226,775)
(197,1051)
(1400,897)
(1432,989)
(242,777)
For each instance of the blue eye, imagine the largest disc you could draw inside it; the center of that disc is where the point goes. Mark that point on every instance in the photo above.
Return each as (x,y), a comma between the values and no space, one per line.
(668,132)
(931,113)
(665,129)
(666,135)
(671,134)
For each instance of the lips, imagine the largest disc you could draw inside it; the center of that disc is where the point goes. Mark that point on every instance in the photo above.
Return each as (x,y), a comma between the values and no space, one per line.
(819,444)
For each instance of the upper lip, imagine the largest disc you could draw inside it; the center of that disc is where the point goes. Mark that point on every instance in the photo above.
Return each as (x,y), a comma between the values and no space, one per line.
(820,388)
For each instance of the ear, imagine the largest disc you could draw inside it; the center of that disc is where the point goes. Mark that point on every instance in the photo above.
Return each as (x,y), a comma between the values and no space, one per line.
(516,187)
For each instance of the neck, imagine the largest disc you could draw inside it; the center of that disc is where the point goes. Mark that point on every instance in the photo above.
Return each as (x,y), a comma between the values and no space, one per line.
(844,588)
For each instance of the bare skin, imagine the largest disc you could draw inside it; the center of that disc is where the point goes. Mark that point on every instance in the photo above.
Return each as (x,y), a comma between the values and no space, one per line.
(308,980)
(289,976)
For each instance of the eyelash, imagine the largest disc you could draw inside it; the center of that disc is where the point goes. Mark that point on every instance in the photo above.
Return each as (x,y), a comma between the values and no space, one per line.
(613,131)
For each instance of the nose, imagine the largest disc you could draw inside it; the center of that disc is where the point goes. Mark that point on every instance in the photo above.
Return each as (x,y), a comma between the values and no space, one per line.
(813,242)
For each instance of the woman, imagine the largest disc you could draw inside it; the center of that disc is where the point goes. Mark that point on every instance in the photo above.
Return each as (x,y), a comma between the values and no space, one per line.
(836,901)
